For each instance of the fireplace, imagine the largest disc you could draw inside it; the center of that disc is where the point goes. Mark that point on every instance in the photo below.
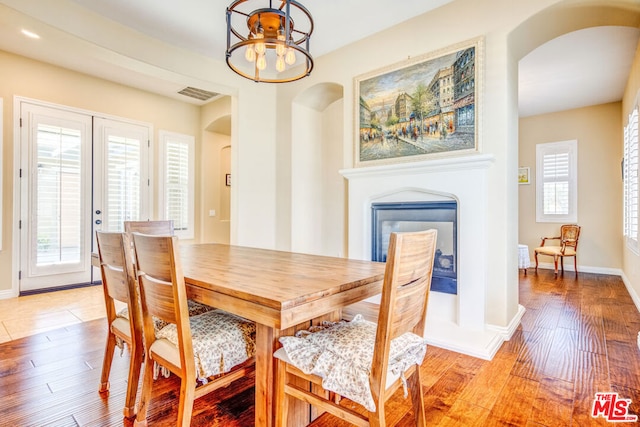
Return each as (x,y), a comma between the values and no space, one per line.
(417,216)
(457,321)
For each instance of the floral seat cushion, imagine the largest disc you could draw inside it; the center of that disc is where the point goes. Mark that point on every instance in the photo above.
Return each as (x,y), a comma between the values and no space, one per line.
(220,341)
(341,354)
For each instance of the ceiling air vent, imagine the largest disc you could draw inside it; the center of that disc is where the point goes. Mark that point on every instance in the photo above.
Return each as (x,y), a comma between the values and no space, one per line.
(201,94)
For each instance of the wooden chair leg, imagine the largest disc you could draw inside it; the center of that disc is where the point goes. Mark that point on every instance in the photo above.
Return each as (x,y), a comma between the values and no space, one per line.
(555,263)
(415,387)
(145,396)
(110,347)
(185,407)
(535,254)
(575,264)
(562,263)
(135,363)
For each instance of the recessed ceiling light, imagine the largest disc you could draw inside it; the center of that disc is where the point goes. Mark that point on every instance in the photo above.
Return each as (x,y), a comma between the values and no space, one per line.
(30,34)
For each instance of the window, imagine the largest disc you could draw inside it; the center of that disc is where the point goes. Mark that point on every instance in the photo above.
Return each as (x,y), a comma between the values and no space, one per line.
(177,181)
(630,175)
(557,182)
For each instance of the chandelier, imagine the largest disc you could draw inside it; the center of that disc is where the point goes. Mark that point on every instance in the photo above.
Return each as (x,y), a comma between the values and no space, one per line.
(269,44)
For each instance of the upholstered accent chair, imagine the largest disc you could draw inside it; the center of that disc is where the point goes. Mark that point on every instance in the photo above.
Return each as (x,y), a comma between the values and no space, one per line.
(567,247)
(118,282)
(363,361)
(207,351)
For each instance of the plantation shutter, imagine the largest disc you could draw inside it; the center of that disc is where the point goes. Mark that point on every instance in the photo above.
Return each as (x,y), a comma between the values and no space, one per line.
(557,182)
(177,184)
(555,175)
(631,177)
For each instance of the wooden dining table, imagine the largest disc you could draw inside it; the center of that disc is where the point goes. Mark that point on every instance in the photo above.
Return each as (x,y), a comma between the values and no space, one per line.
(281,292)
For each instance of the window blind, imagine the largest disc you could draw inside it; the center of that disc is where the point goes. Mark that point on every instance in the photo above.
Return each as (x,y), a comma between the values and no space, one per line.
(631,177)
(555,175)
(557,182)
(177,184)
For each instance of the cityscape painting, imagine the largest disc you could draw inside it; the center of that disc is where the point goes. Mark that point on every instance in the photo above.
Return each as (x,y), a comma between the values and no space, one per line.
(425,107)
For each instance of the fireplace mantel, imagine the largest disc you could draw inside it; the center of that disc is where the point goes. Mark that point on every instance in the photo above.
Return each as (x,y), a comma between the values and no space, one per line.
(475,161)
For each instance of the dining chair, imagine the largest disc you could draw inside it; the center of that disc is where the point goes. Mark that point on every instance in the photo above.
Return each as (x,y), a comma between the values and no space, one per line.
(156,227)
(119,284)
(207,351)
(567,247)
(361,360)
(160,228)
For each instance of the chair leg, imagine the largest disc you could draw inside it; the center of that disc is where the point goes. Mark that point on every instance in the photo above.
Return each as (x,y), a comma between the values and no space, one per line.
(575,264)
(110,347)
(562,263)
(415,387)
(555,268)
(135,363)
(535,254)
(145,396)
(185,407)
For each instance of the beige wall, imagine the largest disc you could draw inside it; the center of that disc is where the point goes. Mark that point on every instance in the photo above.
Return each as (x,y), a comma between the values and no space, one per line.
(32,79)
(215,162)
(598,132)
(631,260)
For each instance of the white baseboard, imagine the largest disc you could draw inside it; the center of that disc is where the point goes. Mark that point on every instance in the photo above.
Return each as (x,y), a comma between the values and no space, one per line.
(9,293)
(448,335)
(581,268)
(507,331)
(634,295)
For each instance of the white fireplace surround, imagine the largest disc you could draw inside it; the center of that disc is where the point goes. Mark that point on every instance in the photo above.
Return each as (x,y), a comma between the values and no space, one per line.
(455,322)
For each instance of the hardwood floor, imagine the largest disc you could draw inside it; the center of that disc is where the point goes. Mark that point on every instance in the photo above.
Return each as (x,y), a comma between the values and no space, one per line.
(578,337)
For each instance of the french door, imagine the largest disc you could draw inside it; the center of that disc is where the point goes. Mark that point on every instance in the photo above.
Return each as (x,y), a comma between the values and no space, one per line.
(79,174)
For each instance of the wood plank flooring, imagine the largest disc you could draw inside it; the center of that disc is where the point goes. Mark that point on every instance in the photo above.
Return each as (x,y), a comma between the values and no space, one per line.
(577,337)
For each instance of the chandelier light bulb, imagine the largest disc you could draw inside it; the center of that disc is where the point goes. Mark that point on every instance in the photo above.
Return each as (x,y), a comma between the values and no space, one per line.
(250,54)
(260,47)
(290,58)
(261,62)
(280,48)
(280,66)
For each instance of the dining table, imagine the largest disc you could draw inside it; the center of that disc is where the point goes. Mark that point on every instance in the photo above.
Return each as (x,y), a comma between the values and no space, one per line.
(280,291)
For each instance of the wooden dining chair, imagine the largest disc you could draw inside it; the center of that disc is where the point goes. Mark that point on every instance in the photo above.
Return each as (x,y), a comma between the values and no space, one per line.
(207,351)
(118,282)
(360,360)
(157,227)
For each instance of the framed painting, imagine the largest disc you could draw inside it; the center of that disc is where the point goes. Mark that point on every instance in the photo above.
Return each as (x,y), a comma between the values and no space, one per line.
(420,108)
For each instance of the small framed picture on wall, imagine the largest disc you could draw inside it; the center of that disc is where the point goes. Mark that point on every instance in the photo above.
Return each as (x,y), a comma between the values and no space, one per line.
(523,176)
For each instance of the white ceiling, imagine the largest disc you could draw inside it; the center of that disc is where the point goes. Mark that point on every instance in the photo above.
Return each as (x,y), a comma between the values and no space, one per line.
(578,69)
(587,67)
